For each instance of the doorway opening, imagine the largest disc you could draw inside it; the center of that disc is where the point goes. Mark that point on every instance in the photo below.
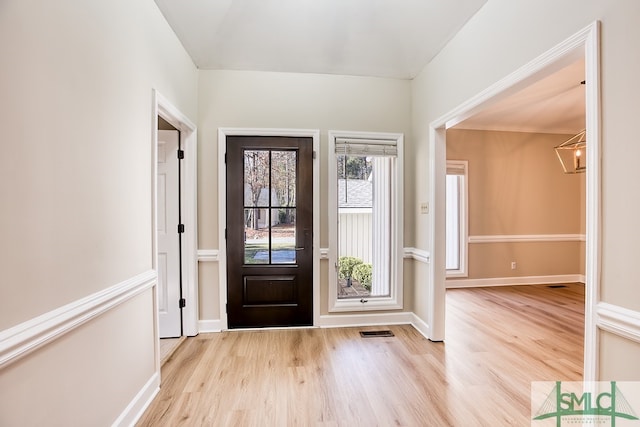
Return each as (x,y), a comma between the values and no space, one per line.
(583,44)
(174,140)
(169,220)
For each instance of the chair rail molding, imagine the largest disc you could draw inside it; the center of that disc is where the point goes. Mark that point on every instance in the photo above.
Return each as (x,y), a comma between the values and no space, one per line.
(417,255)
(208,255)
(523,238)
(618,320)
(22,339)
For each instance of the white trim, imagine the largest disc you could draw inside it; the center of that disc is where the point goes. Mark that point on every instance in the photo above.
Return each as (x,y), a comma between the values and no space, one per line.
(593,250)
(421,326)
(525,238)
(366,319)
(395,300)
(135,409)
(324,253)
(437,236)
(619,320)
(188,138)
(222,208)
(417,255)
(340,321)
(210,325)
(22,339)
(585,42)
(510,281)
(554,59)
(208,255)
(269,328)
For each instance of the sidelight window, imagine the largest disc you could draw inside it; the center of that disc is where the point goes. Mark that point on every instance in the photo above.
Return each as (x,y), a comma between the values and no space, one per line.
(456,222)
(365,221)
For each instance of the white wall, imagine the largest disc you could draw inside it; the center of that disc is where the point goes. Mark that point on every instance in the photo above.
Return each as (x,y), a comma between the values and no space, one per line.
(503,36)
(76,113)
(285,100)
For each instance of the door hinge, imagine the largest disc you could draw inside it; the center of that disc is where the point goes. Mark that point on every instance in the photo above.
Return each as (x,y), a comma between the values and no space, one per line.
(180,154)
(225,234)
(225,158)
(226,307)
(182,302)
(180,228)
(314,154)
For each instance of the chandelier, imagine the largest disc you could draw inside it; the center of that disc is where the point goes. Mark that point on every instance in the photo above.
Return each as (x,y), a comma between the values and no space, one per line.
(573,154)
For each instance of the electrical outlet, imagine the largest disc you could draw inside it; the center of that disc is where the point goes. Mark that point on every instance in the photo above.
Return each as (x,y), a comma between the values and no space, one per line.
(424,208)
(513,265)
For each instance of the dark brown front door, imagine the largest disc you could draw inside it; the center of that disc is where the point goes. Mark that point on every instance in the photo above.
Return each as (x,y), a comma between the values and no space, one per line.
(269,231)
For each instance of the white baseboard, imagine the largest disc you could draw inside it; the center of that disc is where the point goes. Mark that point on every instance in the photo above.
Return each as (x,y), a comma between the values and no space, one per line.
(343,321)
(347,320)
(509,281)
(140,403)
(330,321)
(382,319)
(210,325)
(421,326)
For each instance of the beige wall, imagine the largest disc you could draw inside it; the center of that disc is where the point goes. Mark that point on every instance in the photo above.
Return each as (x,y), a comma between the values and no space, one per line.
(516,187)
(505,35)
(85,378)
(618,358)
(76,112)
(284,100)
(76,83)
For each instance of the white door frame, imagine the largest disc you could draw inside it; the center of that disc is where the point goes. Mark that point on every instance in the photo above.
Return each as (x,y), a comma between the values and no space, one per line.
(188,140)
(584,43)
(222,209)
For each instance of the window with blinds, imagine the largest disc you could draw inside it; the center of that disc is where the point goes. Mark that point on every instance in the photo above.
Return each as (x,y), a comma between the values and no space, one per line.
(366,184)
(456,218)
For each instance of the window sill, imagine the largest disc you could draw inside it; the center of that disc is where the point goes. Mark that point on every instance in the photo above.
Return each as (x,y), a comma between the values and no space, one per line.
(374,303)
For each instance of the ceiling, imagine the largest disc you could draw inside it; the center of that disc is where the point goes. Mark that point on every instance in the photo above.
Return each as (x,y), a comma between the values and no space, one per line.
(380,38)
(553,104)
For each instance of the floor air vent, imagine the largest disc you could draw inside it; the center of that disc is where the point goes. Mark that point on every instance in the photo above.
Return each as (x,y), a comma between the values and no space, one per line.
(557,286)
(371,334)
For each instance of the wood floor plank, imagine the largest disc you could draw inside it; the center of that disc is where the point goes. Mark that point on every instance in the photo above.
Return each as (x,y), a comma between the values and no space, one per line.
(498,340)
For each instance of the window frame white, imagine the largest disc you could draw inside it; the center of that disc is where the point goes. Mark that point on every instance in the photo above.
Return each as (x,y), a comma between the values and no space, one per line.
(461,168)
(394,301)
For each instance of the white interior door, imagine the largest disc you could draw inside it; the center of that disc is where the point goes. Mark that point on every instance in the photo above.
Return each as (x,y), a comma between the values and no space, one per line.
(168,240)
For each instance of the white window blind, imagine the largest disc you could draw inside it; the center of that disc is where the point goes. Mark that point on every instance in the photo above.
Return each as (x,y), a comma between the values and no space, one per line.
(366,147)
(456,168)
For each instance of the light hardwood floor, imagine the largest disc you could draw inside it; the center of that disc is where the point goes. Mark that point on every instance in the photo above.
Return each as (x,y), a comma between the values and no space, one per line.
(498,341)
(168,346)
